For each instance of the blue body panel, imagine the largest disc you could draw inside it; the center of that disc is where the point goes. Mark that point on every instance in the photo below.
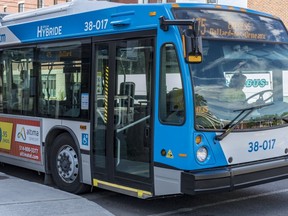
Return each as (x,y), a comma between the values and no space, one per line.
(122,18)
(75,26)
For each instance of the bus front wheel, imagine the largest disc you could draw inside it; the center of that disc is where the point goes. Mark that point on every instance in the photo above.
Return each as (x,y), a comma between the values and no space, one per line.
(65,165)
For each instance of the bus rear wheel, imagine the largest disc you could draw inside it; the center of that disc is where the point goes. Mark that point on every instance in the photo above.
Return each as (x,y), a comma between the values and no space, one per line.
(65,165)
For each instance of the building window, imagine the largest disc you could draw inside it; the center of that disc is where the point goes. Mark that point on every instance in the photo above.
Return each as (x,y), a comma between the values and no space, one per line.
(21,7)
(212,1)
(40,3)
(5,9)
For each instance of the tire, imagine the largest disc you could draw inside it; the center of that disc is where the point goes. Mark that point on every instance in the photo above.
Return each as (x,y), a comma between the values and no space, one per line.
(65,165)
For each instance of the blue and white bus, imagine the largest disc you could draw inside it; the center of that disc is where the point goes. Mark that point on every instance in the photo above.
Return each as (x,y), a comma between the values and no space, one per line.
(145,100)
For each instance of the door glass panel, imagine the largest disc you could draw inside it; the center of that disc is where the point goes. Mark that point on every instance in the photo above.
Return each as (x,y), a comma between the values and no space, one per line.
(132,107)
(101,105)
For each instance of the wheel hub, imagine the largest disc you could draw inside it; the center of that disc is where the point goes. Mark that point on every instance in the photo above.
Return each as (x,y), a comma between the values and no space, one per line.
(67,164)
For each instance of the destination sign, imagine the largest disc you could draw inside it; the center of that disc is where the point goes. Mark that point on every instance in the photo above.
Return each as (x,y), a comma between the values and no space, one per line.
(53,55)
(235,25)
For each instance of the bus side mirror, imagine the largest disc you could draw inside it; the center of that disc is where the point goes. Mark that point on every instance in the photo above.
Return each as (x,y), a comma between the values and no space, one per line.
(192,46)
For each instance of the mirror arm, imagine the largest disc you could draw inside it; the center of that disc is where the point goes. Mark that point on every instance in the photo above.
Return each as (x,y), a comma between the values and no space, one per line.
(164,23)
(192,40)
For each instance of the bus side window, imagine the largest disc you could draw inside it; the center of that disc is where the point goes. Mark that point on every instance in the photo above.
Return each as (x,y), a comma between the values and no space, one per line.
(171,104)
(18,81)
(64,80)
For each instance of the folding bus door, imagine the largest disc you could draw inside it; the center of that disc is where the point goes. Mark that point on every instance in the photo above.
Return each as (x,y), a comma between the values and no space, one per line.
(122,128)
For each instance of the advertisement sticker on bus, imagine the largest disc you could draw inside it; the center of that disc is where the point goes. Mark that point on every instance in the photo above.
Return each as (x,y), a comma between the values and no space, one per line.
(20,138)
(5,135)
(27,134)
(27,138)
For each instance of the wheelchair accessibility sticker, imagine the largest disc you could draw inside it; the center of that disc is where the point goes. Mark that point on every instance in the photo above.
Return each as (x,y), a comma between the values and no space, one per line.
(85,139)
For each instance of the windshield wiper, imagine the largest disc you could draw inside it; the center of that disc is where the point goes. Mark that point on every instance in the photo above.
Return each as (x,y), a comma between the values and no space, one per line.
(285,119)
(231,125)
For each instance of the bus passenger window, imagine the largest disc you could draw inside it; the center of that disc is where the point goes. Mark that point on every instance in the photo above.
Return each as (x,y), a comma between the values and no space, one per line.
(171,105)
(18,81)
(63,80)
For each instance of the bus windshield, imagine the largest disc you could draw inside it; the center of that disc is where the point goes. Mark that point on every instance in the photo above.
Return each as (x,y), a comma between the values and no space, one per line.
(245,65)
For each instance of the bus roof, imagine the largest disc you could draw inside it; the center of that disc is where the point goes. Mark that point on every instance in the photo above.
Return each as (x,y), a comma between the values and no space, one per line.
(68,20)
(80,6)
(68,8)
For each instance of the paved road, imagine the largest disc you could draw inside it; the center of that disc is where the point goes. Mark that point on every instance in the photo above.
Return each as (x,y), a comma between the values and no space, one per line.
(265,200)
(20,197)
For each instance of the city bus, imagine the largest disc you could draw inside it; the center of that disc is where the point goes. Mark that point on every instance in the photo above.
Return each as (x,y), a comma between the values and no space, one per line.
(148,100)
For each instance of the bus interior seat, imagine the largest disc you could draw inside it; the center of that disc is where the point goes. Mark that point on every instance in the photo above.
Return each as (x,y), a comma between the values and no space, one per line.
(73,112)
(175,109)
(176,100)
(128,89)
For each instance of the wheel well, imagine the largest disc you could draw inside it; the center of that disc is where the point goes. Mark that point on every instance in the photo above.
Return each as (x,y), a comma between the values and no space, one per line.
(51,136)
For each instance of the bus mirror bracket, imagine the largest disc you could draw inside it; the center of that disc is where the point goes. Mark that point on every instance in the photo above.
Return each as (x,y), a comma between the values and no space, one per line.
(192,46)
(192,41)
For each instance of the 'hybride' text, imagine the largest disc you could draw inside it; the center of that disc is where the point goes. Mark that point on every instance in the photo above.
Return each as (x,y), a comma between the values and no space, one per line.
(48,31)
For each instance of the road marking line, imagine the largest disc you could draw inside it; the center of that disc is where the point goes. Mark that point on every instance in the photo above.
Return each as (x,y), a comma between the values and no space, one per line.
(183,210)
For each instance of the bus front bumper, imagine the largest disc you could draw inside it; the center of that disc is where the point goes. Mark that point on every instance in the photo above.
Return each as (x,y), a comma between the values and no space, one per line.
(233,177)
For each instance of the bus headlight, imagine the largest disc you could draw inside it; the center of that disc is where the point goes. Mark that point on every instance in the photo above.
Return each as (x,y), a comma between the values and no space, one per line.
(202,154)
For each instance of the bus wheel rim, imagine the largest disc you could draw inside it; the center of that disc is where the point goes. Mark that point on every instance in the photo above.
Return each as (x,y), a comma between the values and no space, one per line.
(67,164)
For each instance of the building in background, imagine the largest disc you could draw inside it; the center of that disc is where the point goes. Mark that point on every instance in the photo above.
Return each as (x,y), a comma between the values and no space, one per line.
(238,3)
(14,6)
(275,7)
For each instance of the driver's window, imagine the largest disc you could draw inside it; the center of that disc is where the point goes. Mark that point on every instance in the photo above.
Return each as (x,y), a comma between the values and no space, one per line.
(172,106)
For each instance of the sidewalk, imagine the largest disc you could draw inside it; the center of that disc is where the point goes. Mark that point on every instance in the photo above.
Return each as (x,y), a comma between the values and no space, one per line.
(23,198)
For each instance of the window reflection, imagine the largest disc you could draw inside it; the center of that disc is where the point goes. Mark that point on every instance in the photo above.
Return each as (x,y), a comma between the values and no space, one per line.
(236,75)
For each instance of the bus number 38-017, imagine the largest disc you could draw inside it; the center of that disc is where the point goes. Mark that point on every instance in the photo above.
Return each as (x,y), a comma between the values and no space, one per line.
(97,25)
(265,145)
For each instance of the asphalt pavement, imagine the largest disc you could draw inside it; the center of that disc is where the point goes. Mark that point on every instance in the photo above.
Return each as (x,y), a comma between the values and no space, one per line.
(20,197)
